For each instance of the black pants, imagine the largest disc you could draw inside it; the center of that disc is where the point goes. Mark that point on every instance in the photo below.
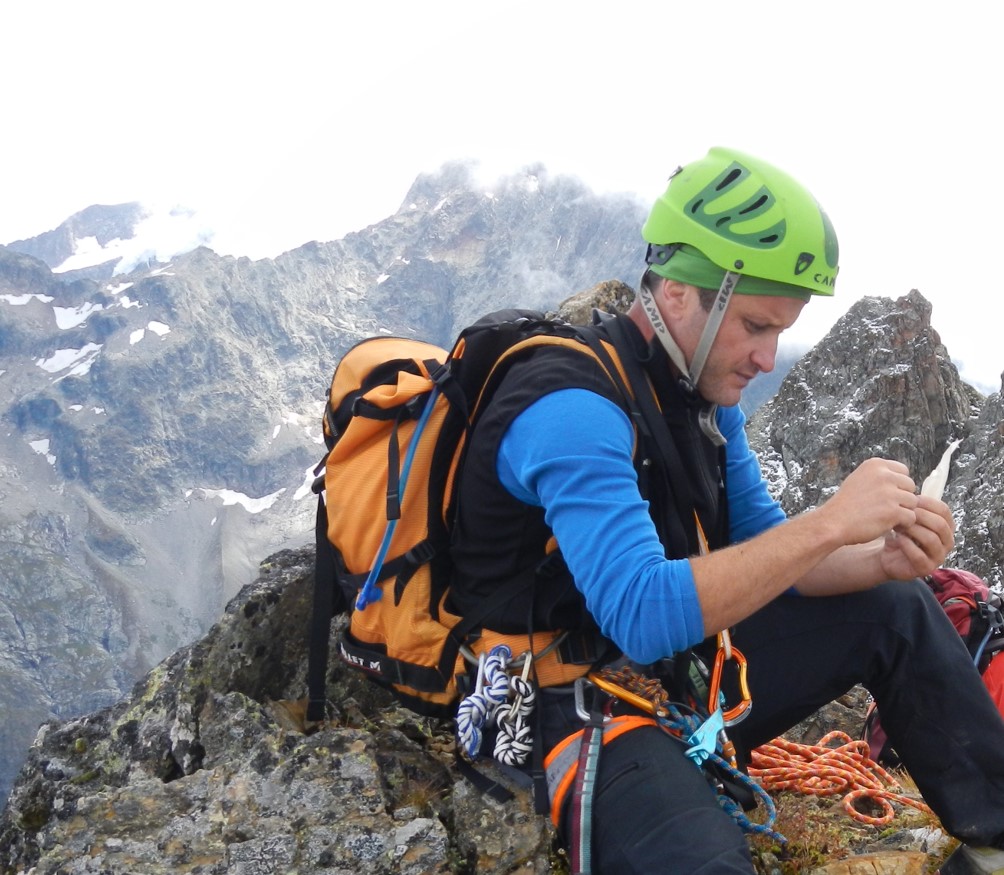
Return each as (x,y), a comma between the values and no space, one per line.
(654,812)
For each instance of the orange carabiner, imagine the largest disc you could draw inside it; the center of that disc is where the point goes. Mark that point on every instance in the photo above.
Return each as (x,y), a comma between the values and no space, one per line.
(738,712)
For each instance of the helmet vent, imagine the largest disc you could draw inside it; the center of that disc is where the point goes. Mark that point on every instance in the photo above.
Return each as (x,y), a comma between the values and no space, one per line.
(730,177)
(724,220)
(770,238)
(753,207)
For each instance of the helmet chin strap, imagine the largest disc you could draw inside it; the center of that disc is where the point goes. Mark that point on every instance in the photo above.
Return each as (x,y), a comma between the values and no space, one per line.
(655,319)
(711,327)
(692,373)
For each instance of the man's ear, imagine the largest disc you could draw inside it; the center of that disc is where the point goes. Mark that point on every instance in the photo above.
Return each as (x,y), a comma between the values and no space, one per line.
(672,295)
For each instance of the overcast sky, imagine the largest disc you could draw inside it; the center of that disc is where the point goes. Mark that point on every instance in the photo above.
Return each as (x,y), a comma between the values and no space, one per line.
(280,123)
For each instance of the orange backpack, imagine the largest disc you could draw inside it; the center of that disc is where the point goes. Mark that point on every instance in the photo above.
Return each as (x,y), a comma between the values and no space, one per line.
(395,425)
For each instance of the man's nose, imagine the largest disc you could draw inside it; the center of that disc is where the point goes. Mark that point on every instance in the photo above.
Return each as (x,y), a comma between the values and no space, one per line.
(765,357)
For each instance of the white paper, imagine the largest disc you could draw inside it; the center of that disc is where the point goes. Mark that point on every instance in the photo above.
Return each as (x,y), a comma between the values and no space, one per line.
(934,483)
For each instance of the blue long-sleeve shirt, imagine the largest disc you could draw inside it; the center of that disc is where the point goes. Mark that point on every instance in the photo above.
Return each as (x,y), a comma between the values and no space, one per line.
(570,452)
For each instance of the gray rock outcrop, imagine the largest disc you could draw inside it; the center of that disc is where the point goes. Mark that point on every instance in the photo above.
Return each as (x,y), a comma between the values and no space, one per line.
(205,768)
(882,384)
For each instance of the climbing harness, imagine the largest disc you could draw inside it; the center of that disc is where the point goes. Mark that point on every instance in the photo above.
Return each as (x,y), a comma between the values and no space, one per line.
(705,737)
(821,770)
(700,725)
(572,765)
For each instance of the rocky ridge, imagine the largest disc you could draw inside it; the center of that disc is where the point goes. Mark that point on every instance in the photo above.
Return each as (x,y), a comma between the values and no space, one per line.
(204,766)
(883,384)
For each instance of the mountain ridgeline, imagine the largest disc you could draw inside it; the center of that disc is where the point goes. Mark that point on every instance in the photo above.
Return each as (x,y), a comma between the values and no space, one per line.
(161,426)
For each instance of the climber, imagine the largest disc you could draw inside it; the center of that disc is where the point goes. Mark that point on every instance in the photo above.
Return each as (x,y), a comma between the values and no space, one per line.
(669,543)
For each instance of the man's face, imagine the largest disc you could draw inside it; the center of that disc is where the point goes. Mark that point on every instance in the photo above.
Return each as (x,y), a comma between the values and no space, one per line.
(746,344)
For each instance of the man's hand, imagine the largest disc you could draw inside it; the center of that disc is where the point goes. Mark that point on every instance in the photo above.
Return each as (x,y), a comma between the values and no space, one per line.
(875,528)
(878,497)
(917,550)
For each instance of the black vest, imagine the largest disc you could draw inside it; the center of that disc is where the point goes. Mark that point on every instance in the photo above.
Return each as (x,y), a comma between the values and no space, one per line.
(500,541)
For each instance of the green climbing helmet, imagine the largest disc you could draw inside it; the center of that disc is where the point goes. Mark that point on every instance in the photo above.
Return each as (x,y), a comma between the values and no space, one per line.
(747,217)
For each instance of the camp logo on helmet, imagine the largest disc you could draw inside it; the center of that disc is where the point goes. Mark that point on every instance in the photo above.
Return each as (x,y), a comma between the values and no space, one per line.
(804,260)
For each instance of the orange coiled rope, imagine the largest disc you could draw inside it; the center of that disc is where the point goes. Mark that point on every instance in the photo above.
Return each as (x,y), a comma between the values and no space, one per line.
(820,770)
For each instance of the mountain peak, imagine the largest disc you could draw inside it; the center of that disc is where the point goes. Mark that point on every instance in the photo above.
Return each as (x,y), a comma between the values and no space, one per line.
(100,222)
(101,241)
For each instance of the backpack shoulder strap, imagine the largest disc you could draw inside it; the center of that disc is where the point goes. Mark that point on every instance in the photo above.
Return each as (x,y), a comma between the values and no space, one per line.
(647,416)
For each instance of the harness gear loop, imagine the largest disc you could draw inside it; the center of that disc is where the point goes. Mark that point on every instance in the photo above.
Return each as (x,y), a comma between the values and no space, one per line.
(727,653)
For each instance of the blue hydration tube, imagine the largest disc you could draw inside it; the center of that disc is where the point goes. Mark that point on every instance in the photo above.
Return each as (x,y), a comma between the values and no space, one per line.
(370,592)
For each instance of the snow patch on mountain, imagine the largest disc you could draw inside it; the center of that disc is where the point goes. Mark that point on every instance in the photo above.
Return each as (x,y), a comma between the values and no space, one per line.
(78,361)
(42,448)
(230,497)
(71,317)
(21,300)
(158,328)
(159,237)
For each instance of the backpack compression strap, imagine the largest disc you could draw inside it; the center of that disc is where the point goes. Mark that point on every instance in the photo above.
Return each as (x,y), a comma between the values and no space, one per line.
(328,600)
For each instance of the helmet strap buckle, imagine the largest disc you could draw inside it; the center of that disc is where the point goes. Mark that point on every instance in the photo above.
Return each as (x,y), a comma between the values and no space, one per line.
(658,253)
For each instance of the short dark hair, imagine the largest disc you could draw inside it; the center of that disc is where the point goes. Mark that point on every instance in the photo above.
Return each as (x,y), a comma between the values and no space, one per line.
(706,296)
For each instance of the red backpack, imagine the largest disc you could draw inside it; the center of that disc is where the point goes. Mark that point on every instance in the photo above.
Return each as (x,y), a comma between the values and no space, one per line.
(975,611)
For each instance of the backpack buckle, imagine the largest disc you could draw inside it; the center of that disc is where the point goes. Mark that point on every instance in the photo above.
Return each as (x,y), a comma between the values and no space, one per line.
(421,553)
(580,648)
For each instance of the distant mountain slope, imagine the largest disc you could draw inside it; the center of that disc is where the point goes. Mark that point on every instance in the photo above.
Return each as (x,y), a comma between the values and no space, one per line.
(101,224)
(159,426)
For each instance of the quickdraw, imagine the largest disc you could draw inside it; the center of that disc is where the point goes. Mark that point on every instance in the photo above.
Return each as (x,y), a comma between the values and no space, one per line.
(820,770)
(725,653)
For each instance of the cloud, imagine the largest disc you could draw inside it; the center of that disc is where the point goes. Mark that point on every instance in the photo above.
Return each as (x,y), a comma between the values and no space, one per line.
(159,237)
(284,125)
